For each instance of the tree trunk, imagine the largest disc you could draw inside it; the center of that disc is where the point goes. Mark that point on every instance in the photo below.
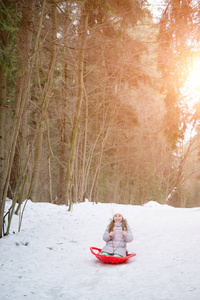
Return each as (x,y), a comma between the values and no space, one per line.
(22,141)
(70,167)
(22,88)
(61,189)
(94,188)
(17,175)
(3,114)
(37,162)
(45,103)
(83,178)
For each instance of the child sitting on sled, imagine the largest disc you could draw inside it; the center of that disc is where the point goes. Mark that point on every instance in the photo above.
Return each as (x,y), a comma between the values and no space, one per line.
(117,234)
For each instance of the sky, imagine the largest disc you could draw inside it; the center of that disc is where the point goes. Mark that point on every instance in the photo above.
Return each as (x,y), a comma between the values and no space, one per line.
(156,7)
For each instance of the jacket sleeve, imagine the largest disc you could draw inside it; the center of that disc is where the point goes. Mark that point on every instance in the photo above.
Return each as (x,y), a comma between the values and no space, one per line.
(106,236)
(129,237)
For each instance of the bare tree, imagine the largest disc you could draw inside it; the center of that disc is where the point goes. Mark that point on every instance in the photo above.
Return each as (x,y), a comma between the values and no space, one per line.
(70,167)
(22,90)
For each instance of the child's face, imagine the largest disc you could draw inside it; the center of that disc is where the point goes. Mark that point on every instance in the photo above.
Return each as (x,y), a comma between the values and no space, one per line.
(117,218)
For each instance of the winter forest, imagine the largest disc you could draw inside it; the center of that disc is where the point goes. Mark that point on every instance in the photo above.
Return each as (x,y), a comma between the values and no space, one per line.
(99,100)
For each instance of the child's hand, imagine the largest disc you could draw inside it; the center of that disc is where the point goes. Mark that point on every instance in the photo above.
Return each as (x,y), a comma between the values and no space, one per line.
(111,233)
(124,233)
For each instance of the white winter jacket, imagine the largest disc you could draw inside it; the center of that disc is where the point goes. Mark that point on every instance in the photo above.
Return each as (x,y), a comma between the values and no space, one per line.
(117,243)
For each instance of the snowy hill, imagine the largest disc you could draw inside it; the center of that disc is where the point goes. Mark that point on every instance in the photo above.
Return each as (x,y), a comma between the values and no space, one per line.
(50,258)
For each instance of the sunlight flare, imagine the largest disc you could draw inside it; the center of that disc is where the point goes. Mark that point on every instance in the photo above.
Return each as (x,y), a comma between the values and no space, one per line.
(193,81)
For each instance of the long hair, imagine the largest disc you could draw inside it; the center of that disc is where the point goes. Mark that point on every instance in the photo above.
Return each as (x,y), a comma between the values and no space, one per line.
(112,224)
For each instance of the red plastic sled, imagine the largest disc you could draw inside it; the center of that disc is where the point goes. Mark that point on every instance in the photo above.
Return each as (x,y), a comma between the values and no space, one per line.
(110,259)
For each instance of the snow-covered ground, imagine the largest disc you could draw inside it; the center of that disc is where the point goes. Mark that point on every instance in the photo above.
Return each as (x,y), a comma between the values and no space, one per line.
(50,258)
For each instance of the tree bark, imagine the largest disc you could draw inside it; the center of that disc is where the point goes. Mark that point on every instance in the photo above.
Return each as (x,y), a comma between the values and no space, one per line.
(45,103)
(83,178)
(22,88)
(61,189)
(21,184)
(3,156)
(70,167)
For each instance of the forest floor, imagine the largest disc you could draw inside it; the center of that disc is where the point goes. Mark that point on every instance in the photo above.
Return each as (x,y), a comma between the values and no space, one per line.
(50,258)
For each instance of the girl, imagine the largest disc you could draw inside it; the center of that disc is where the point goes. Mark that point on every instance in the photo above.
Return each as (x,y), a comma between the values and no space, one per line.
(117,234)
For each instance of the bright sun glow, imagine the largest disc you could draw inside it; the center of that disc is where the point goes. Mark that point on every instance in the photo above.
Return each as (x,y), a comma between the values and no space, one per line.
(193,82)
(191,90)
(191,93)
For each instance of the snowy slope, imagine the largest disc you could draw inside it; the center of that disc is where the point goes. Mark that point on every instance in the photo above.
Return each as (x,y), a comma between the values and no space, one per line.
(50,257)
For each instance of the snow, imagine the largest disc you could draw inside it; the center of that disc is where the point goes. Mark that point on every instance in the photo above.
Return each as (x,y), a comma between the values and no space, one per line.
(50,258)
